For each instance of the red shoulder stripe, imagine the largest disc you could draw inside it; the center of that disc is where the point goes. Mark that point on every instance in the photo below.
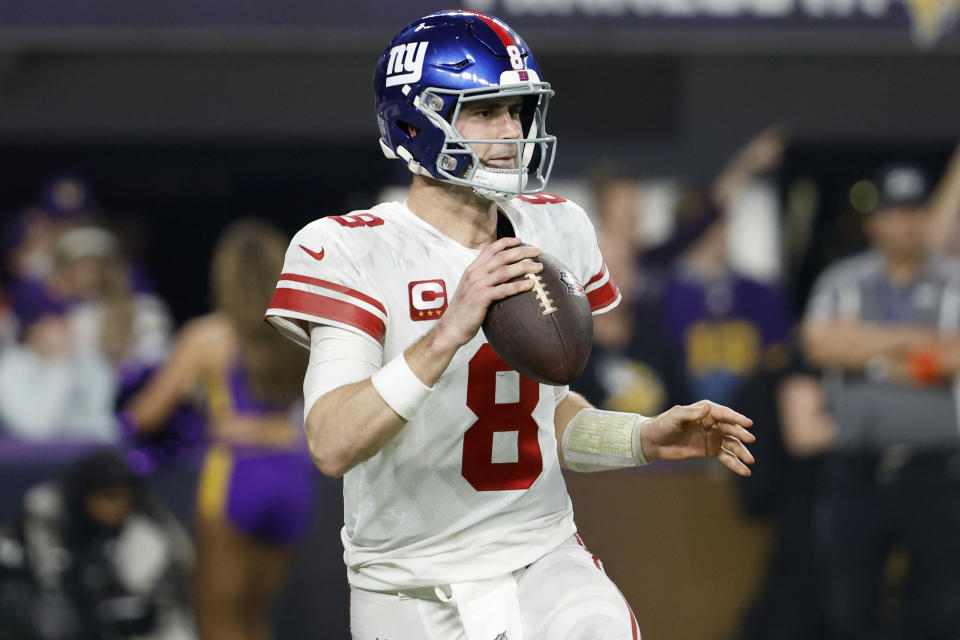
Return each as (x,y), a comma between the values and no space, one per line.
(603,296)
(329,309)
(333,286)
(599,276)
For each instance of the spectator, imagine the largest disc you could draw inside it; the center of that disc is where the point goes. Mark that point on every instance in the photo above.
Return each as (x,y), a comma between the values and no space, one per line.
(886,324)
(633,365)
(50,389)
(28,241)
(794,431)
(8,322)
(105,559)
(725,325)
(255,495)
(131,330)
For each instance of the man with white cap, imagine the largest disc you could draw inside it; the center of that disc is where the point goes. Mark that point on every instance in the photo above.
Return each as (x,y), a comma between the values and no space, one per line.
(885,325)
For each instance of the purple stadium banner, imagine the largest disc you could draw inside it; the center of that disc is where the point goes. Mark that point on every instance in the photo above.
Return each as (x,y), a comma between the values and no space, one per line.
(928,20)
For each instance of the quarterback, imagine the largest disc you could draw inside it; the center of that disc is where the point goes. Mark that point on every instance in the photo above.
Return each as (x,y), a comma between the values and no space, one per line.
(457,522)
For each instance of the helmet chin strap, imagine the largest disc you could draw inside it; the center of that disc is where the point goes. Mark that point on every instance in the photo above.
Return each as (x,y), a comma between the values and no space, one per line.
(414,166)
(499,185)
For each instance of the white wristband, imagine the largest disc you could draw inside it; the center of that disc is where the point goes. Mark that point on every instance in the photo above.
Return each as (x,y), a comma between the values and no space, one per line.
(597,440)
(637,438)
(400,387)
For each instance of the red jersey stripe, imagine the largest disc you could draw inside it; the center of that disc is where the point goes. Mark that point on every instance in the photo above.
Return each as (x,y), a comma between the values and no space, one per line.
(634,627)
(596,560)
(599,276)
(333,286)
(601,297)
(329,309)
(498,28)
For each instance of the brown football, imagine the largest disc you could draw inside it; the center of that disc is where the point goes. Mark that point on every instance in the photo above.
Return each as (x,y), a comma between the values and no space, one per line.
(545,333)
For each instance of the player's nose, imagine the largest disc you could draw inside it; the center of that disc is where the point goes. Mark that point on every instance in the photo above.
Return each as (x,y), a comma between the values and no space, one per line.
(509,127)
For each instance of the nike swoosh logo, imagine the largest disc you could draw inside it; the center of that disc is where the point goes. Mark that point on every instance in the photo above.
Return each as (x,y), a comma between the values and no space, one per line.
(314,254)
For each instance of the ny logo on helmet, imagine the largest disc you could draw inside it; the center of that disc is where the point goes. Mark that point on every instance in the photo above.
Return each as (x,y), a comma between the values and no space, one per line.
(406,63)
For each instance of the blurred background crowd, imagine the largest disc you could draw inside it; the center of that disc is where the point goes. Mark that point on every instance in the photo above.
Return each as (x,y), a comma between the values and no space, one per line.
(776,189)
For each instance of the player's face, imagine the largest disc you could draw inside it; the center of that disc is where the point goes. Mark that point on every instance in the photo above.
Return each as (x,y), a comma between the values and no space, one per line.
(496,118)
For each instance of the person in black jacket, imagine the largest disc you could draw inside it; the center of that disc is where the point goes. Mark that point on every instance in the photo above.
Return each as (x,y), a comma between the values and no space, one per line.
(101,556)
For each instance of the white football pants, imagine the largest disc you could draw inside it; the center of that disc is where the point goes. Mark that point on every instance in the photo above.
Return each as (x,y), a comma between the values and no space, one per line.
(565,595)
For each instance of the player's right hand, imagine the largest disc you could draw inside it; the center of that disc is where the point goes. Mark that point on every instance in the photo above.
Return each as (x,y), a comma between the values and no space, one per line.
(487,279)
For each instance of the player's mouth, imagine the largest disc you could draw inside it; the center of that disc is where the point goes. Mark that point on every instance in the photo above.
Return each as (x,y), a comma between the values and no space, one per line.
(508,161)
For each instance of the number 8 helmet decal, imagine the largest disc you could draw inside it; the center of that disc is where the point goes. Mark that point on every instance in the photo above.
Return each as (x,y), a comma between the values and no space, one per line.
(435,66)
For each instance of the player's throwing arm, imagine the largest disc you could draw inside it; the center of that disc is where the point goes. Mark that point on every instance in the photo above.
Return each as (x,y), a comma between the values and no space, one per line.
(352,423)
(485,281)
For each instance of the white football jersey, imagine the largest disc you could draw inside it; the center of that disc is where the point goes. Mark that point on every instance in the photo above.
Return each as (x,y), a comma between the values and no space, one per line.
(471,487)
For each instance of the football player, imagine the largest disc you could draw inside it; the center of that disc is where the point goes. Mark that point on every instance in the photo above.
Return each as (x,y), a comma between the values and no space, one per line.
(457,520)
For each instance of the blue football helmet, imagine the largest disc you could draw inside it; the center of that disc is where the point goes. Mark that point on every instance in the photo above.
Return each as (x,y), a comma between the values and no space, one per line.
(436,65)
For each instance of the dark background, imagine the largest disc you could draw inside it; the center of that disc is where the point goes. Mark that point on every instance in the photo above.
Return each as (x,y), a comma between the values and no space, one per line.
(175,144)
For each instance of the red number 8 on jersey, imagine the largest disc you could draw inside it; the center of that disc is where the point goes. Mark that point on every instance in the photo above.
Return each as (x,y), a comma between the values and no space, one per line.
(477,466)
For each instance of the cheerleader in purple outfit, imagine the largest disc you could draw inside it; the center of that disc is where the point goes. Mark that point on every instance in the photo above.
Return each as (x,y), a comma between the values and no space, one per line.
(255,492)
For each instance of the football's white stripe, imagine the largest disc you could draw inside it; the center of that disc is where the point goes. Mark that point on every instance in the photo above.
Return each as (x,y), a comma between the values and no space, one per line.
(330,293)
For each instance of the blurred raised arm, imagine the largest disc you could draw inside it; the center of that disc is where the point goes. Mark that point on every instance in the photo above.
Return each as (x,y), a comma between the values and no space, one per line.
(945,206)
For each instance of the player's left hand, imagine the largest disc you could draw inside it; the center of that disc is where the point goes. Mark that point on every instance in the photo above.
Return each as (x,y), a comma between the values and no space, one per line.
(701,430)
